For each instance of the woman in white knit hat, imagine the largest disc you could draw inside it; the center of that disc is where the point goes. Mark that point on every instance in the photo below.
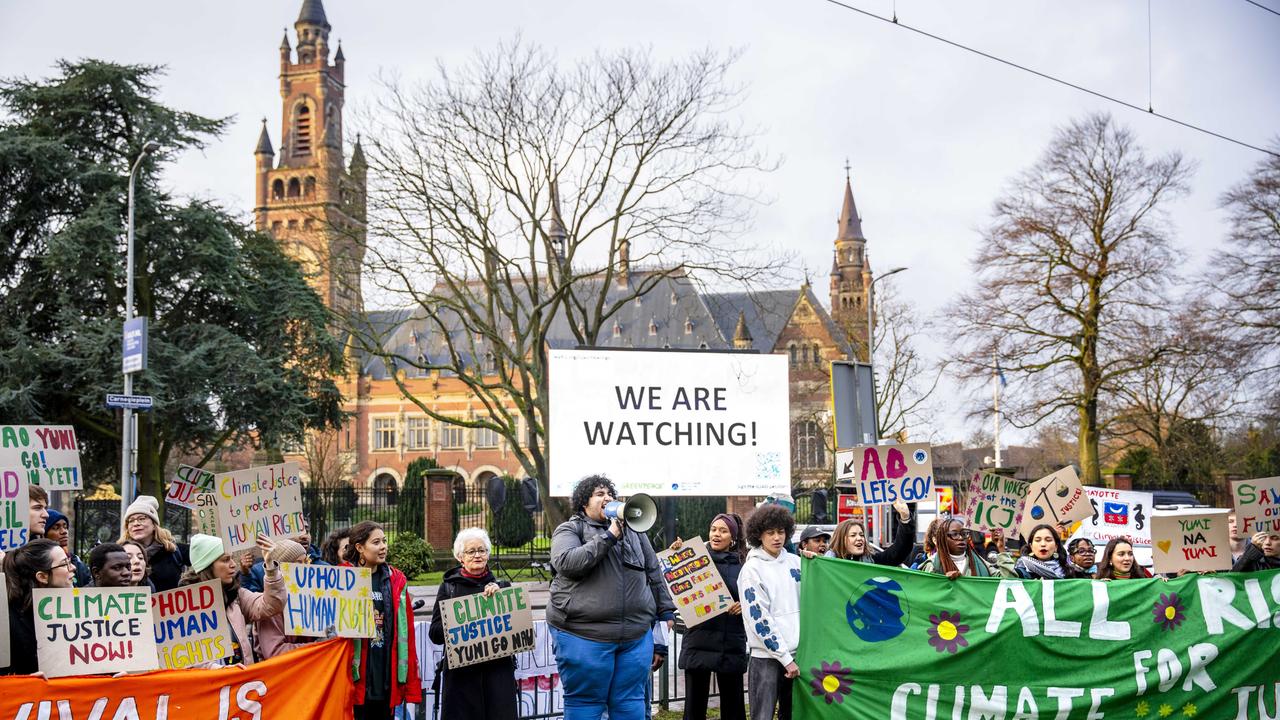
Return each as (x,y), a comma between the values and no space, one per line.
(209,561)
(166,557)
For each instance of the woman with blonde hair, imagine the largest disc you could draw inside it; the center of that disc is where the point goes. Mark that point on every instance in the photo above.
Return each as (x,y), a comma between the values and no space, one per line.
(166,558)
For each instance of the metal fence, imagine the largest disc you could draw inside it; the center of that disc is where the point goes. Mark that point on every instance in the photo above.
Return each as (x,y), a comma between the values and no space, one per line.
(327,509)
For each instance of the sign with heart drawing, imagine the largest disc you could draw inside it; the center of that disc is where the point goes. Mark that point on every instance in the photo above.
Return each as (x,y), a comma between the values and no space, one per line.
(1195,540)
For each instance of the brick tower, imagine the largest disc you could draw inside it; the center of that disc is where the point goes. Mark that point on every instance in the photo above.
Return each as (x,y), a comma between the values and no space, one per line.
(307,199)
(850,273)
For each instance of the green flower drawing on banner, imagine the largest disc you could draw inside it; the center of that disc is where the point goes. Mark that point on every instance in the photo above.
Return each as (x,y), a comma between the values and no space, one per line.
(946,634)
(833,681)
(1169,611)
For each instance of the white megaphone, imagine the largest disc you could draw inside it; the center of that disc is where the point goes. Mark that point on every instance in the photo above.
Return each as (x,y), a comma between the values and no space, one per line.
(639,512)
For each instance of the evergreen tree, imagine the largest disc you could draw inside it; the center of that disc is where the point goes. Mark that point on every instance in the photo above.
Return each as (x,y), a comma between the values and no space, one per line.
(239,349)
(410,512)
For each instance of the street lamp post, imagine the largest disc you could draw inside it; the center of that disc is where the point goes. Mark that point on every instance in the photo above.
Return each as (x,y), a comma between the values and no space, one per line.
(126,431)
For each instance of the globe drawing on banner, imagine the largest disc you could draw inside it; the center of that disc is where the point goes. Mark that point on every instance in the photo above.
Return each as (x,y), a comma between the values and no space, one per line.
(877,610)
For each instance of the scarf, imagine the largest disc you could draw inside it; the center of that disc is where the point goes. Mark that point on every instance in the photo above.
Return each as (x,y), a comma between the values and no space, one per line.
(962,562)
(1121,576)
(1042,569)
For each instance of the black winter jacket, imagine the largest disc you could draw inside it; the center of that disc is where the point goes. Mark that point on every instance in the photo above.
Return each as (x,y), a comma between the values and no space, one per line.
(1254,560)
(719,644)
(484,690)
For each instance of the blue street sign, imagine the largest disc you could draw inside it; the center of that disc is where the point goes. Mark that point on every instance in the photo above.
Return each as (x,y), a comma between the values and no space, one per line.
(133,402)
(135,346)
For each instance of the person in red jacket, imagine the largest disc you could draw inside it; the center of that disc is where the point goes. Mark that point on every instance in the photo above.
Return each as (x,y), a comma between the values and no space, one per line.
(385,668)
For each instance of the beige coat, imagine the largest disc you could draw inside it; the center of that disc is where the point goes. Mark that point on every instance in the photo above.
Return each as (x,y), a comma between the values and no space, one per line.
(253,607)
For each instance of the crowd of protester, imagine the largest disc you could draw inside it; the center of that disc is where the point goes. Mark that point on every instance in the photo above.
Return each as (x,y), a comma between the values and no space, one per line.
(608,612)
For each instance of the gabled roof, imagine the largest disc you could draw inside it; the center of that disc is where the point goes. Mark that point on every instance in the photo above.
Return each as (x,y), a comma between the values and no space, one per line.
(673,314)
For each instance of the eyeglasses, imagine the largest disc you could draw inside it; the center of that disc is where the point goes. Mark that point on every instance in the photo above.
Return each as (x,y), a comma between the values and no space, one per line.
(1084,551)
(959,535)
(475,552)
(64,564)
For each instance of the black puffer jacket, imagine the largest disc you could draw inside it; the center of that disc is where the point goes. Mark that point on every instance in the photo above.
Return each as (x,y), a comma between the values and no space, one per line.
(719,644)
(484,690)
(1254,560)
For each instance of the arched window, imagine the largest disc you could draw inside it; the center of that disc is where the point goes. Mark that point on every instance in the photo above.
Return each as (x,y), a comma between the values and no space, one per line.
(384,490)
(277,189)
(817,355)
(688,327)
(807,447)
(791,349)
(295,188)
(804,354)
(309,190)
(302,131)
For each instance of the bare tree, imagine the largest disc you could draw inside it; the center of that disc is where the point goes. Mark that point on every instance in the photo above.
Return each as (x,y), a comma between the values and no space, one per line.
(1076,260)
(1189,379)
(1248,273)
(324,464)
(905,380)
(514,203)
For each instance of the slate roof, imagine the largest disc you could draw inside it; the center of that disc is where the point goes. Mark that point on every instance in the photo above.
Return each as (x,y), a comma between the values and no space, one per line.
(313,13)
(674,314)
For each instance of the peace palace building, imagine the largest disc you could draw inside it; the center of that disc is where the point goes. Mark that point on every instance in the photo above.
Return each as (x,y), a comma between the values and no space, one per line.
(310,198)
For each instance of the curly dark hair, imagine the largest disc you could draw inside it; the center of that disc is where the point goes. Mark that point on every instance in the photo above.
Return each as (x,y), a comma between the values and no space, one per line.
(329,550)
(769,517)
(586,486)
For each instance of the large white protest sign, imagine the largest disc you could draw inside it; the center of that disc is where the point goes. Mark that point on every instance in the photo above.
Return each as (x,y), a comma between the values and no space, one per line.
(1257,505)
(15,507)
(191,625)
(84,631)
(1055,498)
(670,423)
(320,597)
(186,484)
(886,473)
(1117,514)
(48,454)
(479,628)
(263,500)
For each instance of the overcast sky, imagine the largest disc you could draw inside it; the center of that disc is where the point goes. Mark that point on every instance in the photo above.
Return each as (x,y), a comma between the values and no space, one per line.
(932,133)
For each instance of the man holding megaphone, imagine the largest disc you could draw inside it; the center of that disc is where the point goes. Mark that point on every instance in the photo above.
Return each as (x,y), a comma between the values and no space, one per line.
(606,593)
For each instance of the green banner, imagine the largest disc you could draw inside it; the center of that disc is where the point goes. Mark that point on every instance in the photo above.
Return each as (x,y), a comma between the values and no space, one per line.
(879,642)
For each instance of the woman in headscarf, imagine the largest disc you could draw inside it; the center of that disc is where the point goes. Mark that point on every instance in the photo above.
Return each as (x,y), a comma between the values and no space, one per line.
(718,646)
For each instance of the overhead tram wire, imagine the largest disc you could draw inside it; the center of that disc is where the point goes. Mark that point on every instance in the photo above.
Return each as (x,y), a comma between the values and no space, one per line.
(1264,7)
(960,46)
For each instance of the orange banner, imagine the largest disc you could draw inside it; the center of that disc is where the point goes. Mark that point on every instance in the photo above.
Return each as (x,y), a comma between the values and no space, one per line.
(311,683)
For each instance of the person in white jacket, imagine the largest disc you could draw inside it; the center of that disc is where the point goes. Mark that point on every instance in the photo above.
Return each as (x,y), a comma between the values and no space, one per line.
(770,589)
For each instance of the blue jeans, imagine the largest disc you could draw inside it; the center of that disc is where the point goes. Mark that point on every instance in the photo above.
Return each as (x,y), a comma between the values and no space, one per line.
(599,676)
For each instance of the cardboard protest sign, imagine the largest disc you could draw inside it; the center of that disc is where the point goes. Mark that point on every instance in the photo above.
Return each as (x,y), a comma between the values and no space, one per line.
(885,473)
(186,484)
(15,507)
(1053,499)
(995,503)
(319,597)
(204,517)
(83,631)
(1117,514)
(311,683)
(884,643)
(4,622)
(49,455)
(1257,505)
(671,423)
(191,625)
(1195,540)
(479,628)
(263,500)
(694,583)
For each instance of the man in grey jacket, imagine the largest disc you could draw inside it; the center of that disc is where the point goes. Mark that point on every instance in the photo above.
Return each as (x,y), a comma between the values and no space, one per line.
(605,596)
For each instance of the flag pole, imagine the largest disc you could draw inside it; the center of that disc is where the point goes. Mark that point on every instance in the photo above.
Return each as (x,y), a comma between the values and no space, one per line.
(995,390)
